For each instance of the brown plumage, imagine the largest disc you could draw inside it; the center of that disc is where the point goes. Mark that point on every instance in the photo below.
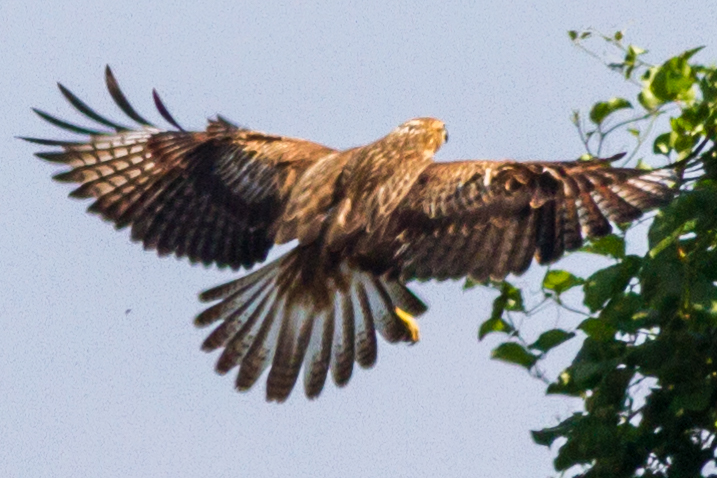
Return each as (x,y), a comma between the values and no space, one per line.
(367,220)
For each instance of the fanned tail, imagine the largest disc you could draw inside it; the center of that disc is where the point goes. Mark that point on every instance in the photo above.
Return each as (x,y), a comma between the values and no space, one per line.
(295,311)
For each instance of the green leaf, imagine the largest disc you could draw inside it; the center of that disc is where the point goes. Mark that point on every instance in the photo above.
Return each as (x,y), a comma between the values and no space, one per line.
(606,283)
(690,53)
(588,375)
(592,439)
(514,353)
(635,51)
(602,110)
(551,339)
(648,100)
(494,325)
(560,281)
(662,144)
(695,401)
(631,59)
(510,298)
(513,297)
(547,436)
(623,313)
(573,35)
(681,214)
(564,385)
(663,282)
(470,283)
(684,143)
(673,80)
(610,245)
(597,329)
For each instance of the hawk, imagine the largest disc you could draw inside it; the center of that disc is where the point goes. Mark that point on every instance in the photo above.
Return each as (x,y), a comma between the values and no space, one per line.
(366,220)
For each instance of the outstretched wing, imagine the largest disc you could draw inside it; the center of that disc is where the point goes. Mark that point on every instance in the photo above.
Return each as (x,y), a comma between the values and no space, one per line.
(212,196)
(486,219)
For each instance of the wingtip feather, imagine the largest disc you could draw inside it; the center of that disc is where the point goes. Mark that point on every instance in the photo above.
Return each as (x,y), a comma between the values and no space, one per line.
(164,111)
(120,99)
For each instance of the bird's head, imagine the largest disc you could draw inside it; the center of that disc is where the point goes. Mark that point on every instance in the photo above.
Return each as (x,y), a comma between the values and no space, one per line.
(431,131)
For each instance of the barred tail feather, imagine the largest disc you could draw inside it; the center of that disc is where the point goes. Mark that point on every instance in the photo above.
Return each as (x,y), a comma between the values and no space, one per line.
(295,313)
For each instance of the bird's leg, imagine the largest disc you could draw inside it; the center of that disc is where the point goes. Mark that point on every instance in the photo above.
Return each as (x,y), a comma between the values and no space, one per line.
(410,323)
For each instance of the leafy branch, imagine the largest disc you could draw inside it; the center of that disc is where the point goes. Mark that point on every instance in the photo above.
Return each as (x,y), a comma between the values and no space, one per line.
(646,371)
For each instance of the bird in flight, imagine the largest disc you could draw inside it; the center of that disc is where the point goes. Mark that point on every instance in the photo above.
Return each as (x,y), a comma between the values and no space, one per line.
(366,220)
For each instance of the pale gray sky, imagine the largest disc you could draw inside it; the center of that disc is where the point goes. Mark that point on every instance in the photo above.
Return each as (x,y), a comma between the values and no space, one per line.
(88,390)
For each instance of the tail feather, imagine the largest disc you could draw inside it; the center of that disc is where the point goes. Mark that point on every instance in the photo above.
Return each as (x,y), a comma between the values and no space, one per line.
(295,313)
(237,286)
(342,360)
(238,345)
(366,350)
(291,348)
(382,307)
(260,352)
(405,299)
(318,356)
(234,320)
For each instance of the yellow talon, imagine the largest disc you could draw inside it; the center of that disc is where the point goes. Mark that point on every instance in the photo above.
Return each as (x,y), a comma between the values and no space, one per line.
(410,322)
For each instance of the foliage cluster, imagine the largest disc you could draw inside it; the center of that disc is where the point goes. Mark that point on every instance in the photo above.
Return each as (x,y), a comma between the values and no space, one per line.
(647,368)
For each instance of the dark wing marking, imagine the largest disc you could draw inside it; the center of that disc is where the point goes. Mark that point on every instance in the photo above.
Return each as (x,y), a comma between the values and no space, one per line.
(212,196)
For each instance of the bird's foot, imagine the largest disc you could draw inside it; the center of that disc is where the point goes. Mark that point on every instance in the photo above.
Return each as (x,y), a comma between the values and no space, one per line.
(410,323)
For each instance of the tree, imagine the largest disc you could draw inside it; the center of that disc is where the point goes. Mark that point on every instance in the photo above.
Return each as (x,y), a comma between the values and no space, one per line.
(647,368)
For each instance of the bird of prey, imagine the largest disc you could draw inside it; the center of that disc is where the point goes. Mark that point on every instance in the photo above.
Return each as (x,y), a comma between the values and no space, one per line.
(366,221)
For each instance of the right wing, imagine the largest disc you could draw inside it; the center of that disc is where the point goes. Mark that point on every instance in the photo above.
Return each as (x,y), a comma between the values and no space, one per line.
(486,219)
(211,196)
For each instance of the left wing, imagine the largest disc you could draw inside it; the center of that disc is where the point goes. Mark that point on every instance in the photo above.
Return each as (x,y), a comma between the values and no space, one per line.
(213,196)
(486,219)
